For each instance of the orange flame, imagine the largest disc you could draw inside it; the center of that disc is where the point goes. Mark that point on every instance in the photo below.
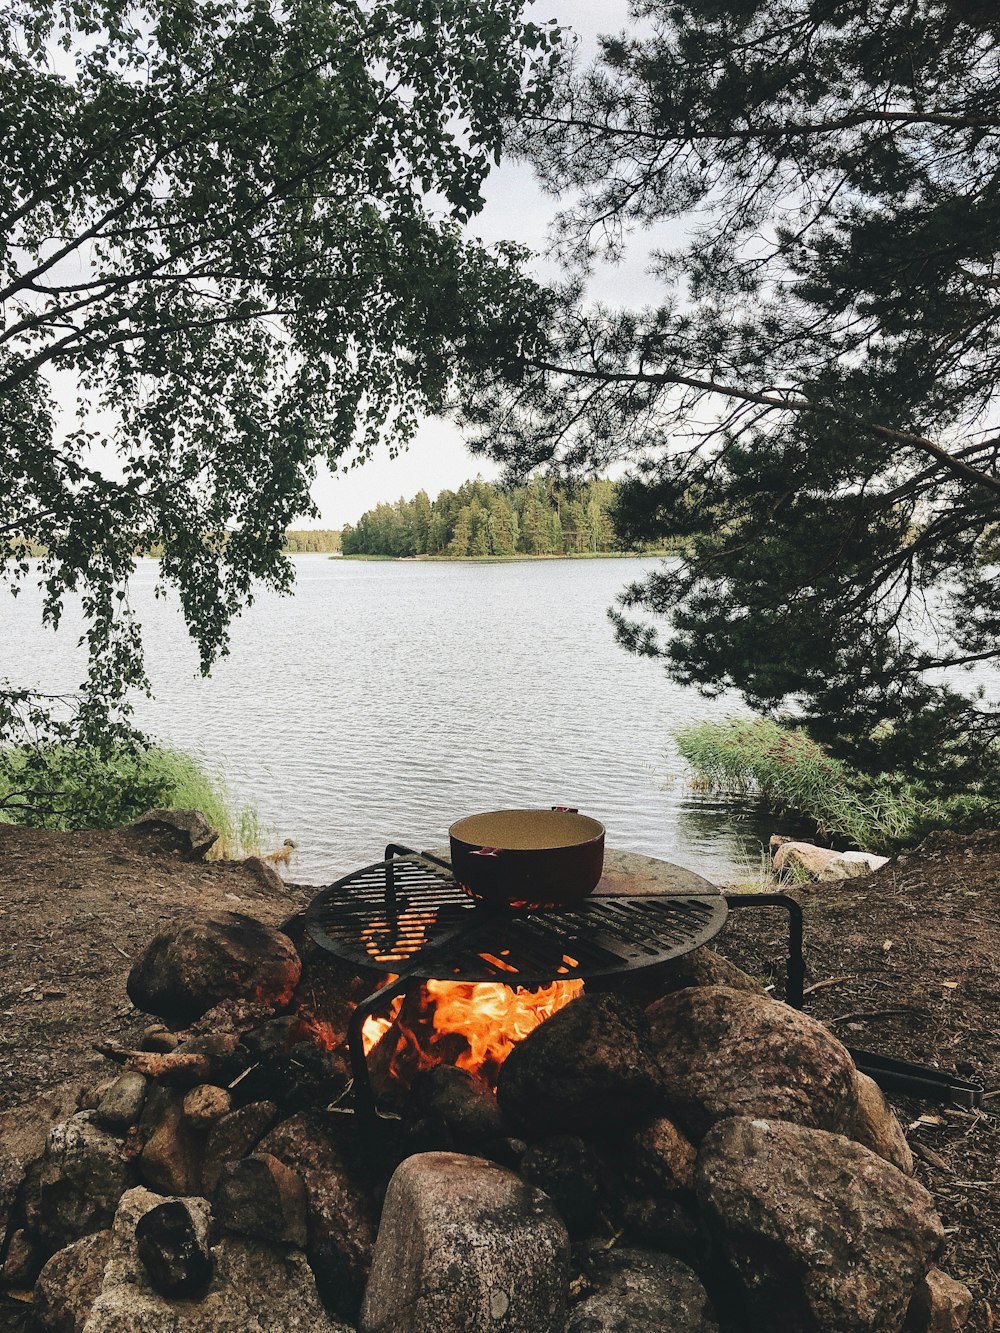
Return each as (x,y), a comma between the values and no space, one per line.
(471,1025)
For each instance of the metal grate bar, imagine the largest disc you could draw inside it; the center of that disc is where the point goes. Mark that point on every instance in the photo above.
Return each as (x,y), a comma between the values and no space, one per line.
(382,916)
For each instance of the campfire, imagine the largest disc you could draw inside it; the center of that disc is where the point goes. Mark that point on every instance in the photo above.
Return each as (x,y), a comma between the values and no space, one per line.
(473,1026)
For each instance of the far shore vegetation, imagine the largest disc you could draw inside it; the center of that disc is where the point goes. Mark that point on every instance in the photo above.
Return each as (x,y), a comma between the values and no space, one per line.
(482,520)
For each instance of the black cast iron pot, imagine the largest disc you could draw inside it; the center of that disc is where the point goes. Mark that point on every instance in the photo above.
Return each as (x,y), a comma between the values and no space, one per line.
(528,859)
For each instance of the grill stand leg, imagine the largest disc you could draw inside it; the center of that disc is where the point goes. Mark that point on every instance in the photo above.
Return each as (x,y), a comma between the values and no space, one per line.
(364,1094)
(795,972)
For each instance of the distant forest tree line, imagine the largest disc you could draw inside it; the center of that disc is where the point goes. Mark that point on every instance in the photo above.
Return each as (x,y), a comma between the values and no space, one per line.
(544,517)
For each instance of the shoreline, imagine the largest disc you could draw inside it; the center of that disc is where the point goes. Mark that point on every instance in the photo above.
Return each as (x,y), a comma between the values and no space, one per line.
(511,559)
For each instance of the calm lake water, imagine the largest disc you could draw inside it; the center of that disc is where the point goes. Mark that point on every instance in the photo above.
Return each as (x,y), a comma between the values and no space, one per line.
(383,700)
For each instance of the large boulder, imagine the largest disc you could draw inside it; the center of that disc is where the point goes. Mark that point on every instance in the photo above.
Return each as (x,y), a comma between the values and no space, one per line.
(187,970)
(186,832)
(74,1189)
(70,1282)
(254,1287)
(641,1290)
(723,1052)
(585,1069)
(822,1235)
(465,1244)
(340,1219)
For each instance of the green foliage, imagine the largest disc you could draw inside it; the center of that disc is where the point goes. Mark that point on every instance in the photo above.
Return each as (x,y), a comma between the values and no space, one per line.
(213,224)
(810,399)
(74,787)
(790,771)
(480,519)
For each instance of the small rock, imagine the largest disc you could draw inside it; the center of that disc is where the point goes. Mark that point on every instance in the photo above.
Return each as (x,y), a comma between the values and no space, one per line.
(89,1097)
(820,1232)
(265,875)
(206,1104)
(801,860)
(642,1290)
(586,1068)
(170,1161)
(70,1282)
(465,1244)
(187,970)
(876,1126)
(456,1102)
(570,1172)
(185,831)
(234,1136)
(939,1305)
(700,967)
(22,1261)
(76,1186)
(723,1052)
(852,865)
(260,1196)
(172,1242)
(159,1039)
(121,1104)
(662,1159)
(340,1217)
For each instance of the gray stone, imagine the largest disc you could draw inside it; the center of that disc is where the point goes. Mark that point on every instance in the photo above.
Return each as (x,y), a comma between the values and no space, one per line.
(260,1196)
(232,1137)
(466,1245)
(185,831)
(121,1103)
(821,1233)
(340,1217)
(69,1284)
(585,1069)
(172,1242)
(643,1292)
(255,1288)
(876,1126)
(205,1104)
(187,970)
(939,1305)
(23,1131)
(723,1052)
(74,1189)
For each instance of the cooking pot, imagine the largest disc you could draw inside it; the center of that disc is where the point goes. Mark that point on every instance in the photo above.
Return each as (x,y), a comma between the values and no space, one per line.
(528,859)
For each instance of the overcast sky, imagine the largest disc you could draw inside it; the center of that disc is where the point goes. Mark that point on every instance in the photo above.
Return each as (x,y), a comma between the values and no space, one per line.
(515,210)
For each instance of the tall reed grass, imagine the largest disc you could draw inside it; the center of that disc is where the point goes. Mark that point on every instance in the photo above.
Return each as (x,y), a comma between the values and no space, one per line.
(790,771)
(76,787)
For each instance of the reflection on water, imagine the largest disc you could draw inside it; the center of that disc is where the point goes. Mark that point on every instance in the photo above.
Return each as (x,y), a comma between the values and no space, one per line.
(384,700)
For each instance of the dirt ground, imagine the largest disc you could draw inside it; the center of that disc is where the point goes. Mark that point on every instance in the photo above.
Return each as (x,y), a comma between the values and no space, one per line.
(905,962)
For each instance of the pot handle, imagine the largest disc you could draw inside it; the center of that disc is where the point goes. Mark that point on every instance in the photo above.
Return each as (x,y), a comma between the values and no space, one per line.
(566,809)
(486,851)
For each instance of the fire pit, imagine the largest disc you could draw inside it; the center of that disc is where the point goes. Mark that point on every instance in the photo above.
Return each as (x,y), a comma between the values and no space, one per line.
(408,917)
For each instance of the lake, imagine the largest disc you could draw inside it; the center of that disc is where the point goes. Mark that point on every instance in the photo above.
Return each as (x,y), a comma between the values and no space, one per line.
(383,700)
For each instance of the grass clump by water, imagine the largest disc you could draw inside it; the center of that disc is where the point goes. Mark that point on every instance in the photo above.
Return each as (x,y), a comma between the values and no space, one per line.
(82,787)
(790,771)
